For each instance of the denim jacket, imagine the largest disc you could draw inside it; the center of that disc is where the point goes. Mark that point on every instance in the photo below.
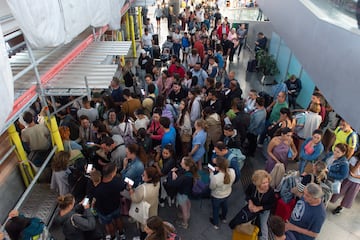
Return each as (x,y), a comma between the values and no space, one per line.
(339,169)
(134,171)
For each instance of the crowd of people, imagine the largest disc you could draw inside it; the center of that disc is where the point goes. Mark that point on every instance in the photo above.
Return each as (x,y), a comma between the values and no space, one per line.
(155,138)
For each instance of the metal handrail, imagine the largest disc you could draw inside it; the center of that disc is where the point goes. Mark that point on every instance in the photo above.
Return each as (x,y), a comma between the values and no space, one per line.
(32,184)
(7,154)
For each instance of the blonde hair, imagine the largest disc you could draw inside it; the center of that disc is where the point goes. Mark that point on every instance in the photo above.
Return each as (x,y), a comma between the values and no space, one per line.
(201,123)
(223,164)
(258,177)
(65,200)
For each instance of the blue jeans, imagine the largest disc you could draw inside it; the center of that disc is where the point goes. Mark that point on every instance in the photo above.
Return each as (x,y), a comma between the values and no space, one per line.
(149,50)
(176,48)
(264,216)
(218,203)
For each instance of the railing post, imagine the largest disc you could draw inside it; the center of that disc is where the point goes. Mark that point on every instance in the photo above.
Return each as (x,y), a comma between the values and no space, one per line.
(127,26)
(16,141)
(140,23)
(132,31)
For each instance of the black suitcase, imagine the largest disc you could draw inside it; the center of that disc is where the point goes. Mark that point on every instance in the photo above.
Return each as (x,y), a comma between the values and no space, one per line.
(251,66)
(156,52)
(156,39)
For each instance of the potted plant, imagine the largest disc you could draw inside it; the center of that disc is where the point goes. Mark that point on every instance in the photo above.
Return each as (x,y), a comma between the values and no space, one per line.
(267,66)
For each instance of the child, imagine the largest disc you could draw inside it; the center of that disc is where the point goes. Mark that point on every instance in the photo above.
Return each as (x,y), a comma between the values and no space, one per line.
(185,43)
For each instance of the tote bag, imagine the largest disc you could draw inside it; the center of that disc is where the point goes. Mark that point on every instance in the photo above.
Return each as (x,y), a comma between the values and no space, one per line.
(140,211)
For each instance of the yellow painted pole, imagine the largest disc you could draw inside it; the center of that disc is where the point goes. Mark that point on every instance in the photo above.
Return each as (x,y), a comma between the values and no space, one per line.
(55,135)
(122,58)
(15,139)
(127,26)
(132,32)
(140,22)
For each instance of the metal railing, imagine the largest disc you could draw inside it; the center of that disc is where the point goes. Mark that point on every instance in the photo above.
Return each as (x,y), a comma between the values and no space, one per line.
(32,184)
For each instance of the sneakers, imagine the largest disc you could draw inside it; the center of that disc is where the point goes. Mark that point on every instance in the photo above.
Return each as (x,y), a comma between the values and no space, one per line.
(216,227)
(224,220)
(182,224)
(162,202)
(337,210)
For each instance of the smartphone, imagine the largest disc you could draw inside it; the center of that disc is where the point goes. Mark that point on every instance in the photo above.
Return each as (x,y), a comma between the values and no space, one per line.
(89,168)
(85,202)
(90,143)
(129,181)
(143,91)
(211,167)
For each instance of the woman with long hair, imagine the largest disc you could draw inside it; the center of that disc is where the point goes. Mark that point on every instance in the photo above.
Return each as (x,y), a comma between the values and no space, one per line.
(164,83)
(221,181)
(183,125)
(214,129)
(194,104)
(133,164)
(157,229)
(285,120)
(60,172)
(183,179)
(278,149)
(198,142)
(350,186)
(74,224)
(317,175)
(337,163)
(107,104)
(67,142)
(310,150)
(148,191)
(164,162)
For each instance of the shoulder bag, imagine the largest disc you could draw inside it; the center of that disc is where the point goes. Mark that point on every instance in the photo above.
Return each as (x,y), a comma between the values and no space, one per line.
(140,211)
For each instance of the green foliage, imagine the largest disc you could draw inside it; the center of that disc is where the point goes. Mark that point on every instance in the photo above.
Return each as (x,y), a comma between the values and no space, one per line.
(267,64)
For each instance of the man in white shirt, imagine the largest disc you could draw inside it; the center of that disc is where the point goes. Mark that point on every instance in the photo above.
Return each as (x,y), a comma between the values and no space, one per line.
(147,42)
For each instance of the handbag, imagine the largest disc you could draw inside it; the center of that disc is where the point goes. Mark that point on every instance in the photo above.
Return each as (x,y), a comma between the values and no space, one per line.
(185,137)
(75,154)
(140,211)
(336,186)
(245,228)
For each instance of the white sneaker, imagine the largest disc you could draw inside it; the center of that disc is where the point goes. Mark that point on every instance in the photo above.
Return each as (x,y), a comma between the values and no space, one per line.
(136,238)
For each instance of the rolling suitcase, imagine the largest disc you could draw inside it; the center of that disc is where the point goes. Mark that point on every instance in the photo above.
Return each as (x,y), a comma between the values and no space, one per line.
(241,236)
(251,66)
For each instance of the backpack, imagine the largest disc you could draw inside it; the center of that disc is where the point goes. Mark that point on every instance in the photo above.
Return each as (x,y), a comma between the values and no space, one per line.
(240,157)
(169,112)
(200,187)
(354,135)
(126,134)
(286,184)
(327,191)
(128,78)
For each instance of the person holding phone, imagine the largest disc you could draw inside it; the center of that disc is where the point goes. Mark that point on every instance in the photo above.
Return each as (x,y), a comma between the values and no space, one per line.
(221,180)
(74,224)
(148,191)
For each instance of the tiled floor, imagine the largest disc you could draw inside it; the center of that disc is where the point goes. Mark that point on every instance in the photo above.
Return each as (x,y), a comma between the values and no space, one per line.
(342,227)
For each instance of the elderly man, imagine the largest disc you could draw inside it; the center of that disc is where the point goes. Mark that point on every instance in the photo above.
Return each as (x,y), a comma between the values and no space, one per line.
(308,215)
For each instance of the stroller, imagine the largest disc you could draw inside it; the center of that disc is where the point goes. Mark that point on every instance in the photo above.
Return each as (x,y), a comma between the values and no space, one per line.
(167,50)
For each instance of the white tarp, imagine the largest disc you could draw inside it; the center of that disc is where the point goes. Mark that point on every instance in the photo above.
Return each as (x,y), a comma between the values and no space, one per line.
(76,17)
(6,83)
(41,21)
(99,12)
(49,23)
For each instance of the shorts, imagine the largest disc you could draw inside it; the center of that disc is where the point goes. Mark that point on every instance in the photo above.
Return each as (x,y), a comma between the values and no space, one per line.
(158,19)
(181,198)
(107,219)
(186,49)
